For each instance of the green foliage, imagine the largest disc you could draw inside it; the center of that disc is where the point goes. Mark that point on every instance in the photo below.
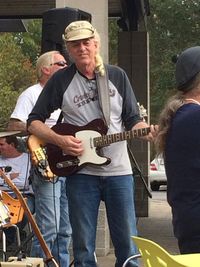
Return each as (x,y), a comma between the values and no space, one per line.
(173,26)
(30,41)
(8,99)
(18,55)
(16,73)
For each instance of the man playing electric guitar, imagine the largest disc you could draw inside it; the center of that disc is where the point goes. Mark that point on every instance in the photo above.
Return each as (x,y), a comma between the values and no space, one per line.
(51,203)
(74,90)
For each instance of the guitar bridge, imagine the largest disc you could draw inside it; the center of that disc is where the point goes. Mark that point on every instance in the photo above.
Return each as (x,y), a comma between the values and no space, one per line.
(43,164)
(68,163)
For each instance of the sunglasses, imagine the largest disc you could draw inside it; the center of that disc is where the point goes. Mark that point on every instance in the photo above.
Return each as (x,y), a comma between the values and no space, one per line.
(60,63)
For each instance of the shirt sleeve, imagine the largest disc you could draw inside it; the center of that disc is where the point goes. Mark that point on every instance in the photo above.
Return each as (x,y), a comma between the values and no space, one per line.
(130,109)
(23,108)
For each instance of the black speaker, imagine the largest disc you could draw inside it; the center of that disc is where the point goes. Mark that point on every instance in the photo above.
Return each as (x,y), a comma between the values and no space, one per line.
(54,22)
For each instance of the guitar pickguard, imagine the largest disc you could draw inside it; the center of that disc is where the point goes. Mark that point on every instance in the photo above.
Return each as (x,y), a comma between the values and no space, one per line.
(90,155)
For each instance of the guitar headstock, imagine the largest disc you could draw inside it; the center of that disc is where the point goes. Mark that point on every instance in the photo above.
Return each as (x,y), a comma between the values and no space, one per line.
(142,111)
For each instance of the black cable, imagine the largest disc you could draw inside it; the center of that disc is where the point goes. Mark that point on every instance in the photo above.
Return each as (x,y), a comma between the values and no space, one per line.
(24,245)
(71,264)
(58,257)
(137,171)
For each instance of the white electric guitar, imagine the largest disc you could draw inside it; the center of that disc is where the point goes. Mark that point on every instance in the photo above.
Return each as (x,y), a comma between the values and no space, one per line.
(93,136)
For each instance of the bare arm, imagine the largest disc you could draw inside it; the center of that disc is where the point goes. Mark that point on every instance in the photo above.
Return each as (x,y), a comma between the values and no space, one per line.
(16,125)
(69,144)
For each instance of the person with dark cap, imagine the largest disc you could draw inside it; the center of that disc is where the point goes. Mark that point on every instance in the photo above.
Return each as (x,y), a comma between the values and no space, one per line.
(178,139)
(75,91)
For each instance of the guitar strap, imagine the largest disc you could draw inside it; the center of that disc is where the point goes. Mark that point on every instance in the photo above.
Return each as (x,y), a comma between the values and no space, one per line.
(104,97)
(60,117)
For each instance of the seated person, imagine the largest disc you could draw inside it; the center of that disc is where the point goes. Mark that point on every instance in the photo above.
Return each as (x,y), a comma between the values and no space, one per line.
(16,165)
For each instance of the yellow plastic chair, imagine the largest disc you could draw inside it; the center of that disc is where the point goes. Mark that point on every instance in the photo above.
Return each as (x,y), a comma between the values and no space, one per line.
(154,255)
(15,213)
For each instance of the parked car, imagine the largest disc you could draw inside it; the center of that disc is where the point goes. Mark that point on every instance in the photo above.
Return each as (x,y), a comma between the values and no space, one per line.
(157,174)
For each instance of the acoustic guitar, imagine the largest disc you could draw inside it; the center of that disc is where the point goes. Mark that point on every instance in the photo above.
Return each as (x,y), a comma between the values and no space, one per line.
(50,261)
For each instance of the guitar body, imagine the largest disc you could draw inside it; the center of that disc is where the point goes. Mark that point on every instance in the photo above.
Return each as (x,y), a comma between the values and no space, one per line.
(63,165)
(38,156)
(51,159)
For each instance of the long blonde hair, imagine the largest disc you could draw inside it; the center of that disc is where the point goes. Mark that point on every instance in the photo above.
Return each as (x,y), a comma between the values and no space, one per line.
(99,61)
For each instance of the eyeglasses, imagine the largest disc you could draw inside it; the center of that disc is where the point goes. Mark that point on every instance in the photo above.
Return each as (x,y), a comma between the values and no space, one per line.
(59,63)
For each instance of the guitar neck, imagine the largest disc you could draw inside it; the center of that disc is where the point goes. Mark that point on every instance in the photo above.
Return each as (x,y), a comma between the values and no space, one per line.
(105,140)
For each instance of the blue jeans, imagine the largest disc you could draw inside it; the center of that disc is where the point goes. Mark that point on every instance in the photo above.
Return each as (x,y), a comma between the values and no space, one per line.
(85,193)
(31,205)
(52,218)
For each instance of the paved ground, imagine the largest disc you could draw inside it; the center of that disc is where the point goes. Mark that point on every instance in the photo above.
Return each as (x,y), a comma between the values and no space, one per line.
(156,227)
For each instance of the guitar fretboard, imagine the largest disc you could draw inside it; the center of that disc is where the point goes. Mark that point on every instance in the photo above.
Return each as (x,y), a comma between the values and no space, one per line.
(105,140)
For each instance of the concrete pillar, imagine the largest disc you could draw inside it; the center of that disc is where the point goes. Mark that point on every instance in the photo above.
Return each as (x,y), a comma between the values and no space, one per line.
(133,57)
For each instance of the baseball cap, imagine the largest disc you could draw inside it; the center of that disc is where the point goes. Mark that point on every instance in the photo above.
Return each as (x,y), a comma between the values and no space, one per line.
(77,30)
(187,66)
